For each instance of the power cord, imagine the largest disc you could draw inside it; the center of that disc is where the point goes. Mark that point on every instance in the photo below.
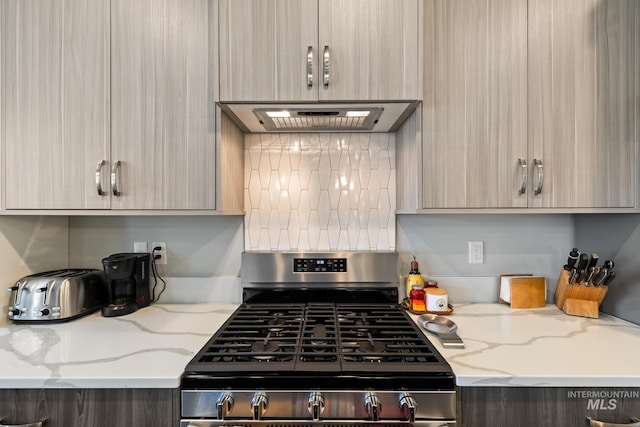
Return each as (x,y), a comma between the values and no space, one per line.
(156,275)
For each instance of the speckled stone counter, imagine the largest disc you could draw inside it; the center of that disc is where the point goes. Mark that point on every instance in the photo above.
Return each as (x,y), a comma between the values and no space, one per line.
(146,349)
(542,348)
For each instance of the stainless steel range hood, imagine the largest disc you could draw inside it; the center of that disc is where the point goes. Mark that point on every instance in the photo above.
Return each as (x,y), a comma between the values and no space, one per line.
(361,117)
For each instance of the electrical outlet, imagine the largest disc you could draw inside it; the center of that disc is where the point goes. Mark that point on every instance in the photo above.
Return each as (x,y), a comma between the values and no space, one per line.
(162,252)
(476,252)
(140,247)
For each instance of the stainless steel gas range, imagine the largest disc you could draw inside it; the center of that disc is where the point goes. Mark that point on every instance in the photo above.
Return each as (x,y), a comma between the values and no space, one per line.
(319,340)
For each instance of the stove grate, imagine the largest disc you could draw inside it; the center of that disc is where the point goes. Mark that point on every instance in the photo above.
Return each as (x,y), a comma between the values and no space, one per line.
(318,337)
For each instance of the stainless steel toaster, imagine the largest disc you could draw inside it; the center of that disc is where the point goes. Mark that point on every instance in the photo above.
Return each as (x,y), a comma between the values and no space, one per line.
(57,295)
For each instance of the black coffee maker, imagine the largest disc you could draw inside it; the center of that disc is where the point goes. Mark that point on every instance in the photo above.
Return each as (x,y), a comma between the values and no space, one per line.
(128,279)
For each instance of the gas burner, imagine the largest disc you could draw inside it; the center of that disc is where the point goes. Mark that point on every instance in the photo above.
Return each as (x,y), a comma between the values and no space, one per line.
(319,338)
(264,350)
(371,347)
(329,358)
(319,346)
(277,319)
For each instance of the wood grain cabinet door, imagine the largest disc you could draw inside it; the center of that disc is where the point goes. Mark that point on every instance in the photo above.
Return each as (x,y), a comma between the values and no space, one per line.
(266,47)
(327,50)
(55,103)
(73,407)
(475,104)
(547,406)
(371,49)
(584,99)
(163,119)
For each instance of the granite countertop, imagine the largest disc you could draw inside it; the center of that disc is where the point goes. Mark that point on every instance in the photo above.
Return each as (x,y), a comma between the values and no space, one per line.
(542,347)
(151,347)
(146,349)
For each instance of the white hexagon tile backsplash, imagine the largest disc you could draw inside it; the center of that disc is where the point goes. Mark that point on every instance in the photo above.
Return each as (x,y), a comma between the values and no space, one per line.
(320,192)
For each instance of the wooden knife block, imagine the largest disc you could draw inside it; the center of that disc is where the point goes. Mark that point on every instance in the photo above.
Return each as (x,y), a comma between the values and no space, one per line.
(579,300)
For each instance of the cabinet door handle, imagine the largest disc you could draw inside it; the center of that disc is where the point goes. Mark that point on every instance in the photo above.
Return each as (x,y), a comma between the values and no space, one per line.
(325,67)
(538,165)
(310,66)
(38,424)
(114,178)
(635,422)
(522,164)
(99,177)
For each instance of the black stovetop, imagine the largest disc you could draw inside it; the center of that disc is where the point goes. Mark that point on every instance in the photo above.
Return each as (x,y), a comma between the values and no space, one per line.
(319,340)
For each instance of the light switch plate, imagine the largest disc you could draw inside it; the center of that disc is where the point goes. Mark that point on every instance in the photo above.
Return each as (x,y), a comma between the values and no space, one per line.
(140,247)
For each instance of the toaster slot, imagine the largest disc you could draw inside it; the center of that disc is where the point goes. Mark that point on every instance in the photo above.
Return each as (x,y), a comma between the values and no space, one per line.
(17,288)
(43,290)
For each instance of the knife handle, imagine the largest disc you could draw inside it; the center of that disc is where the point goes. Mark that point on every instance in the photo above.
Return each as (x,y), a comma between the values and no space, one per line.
(591,272)
(602,274)
(609,264)
(572,275)
(593,260)
(584,260)
(571,260)
(609,278)
(580,276)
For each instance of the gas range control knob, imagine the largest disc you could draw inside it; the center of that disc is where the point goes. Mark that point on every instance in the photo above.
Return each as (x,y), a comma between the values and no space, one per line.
(224,404)
(408,406)
(372,406)
(316,405)
(259,404)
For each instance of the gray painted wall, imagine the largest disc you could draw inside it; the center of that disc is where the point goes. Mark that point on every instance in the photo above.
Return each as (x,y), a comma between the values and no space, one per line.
(534,244)
(211,246)
(197,246)
(513,244)
(615,237)
(30,244)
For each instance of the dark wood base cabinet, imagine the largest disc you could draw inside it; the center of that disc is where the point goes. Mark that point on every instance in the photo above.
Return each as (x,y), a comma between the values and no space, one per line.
(91,407)
(546,406)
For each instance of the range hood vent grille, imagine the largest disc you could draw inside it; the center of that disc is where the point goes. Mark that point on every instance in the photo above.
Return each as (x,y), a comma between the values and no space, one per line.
(373,116)
(347,119)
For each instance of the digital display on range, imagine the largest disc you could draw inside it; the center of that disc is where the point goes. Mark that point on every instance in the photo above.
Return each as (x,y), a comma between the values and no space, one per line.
(319,265)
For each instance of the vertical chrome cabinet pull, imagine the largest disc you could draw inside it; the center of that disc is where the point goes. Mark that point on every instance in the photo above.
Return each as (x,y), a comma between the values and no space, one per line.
(325,67)
(99,177)
(522,164)
(635,422)
(310,66)
(538,165)
(114,178)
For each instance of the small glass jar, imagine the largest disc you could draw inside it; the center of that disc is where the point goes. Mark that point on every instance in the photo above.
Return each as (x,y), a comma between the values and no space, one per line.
(418,299)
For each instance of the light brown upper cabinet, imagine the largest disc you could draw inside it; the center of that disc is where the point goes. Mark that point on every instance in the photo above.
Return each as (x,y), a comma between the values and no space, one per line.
(318,50)
(55,102)
(584,101)
(163,119)
(109,105)
(475,103)
(531,103)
